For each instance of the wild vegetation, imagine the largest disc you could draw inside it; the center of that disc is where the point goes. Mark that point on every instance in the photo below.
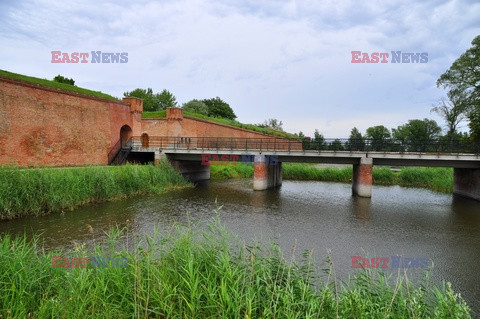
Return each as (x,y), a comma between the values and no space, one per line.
(153,101)
(438,179)
(54,84)
(461,103)
(461,80)
(62,79)
(204,274)
(41,191)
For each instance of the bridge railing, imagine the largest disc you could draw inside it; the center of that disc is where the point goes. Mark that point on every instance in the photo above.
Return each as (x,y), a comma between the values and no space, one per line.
(219,143)
(283,144)
(393,145)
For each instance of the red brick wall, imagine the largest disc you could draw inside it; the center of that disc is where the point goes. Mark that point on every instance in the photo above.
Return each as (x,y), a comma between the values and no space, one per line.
(41,126)
(176,124)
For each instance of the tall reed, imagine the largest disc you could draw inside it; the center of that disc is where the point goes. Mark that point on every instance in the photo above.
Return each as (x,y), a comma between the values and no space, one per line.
(204,274)
(435,178)
(45,190)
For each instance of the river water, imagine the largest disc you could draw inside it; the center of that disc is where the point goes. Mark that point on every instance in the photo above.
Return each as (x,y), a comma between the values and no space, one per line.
(300,215)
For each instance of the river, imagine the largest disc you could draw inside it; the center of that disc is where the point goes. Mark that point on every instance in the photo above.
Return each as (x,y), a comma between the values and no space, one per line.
(300,215)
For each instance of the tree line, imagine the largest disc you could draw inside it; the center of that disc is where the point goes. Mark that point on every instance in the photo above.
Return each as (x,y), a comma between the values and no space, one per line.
(213,107)
(462,102)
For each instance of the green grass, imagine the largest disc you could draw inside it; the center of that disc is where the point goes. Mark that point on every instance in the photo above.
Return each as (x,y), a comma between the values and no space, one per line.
(53,84)
(223,172)
(251,127)
(40,191)
(438,179)
(154,115)
(301,171)
(204,274)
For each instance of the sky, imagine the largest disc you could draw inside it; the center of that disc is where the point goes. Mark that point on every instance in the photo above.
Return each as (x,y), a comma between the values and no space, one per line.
(288,60)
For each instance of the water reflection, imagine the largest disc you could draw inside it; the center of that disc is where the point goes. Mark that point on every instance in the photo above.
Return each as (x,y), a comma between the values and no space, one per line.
(316,216)
(361,207)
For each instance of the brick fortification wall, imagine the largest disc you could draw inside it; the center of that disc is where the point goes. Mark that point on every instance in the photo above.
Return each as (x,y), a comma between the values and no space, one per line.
(176,124)
(42,126)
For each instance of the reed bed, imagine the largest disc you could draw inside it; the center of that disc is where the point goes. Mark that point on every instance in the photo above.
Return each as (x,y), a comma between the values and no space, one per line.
(188,273)
(40,191)
(435,178)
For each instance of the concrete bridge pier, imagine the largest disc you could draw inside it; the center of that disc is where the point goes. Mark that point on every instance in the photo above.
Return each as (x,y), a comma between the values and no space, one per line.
(193,171)
(466,182)
(266,175)
(362,177)
(158,156)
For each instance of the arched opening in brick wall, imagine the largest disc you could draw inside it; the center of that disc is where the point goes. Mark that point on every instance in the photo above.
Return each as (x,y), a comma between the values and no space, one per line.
(145,140)
(125,134)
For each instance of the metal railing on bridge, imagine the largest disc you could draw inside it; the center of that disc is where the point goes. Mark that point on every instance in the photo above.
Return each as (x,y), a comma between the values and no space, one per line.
(394,145)
(283,144)
(218,143)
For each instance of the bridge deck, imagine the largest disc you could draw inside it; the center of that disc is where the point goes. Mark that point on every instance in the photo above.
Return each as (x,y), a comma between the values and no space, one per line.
(293,151)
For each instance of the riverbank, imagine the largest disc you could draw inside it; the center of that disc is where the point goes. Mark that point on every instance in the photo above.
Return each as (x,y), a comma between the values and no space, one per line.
(434,178)
(201,274)
(26,192)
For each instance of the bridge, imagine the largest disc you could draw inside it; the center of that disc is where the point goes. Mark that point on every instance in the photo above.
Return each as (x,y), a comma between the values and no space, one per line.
(189,156)
(99,131)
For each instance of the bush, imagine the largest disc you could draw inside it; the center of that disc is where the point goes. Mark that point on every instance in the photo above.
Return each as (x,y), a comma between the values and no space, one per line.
(61,79)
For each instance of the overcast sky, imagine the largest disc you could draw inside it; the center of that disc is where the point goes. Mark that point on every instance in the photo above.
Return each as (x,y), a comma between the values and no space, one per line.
(289,60)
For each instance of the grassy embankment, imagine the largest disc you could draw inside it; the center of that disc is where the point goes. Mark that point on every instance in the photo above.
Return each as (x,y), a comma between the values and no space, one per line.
(156,114)
(193,274)
(251,127)
(438,179)
(53,84)
(40,191)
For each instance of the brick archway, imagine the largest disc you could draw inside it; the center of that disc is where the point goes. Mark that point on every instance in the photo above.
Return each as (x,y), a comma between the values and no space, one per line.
(125,134)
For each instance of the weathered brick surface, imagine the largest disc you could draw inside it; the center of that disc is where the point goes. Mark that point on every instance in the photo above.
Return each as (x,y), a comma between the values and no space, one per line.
(42,126)
(362,178)
(176,124)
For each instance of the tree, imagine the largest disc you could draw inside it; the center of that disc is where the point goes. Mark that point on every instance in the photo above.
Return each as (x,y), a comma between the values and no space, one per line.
(463,77)
(336,145)
(166,99)
(319,140)
(317,136)
(378,136)
(417,135)
(356,141)
(453,111)
(474,125)
(219,108)
(151,101)
(196,106)
(61,79)
(273,124)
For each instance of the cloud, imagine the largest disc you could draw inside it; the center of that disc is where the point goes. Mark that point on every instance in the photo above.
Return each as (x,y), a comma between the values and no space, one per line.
(269,59)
